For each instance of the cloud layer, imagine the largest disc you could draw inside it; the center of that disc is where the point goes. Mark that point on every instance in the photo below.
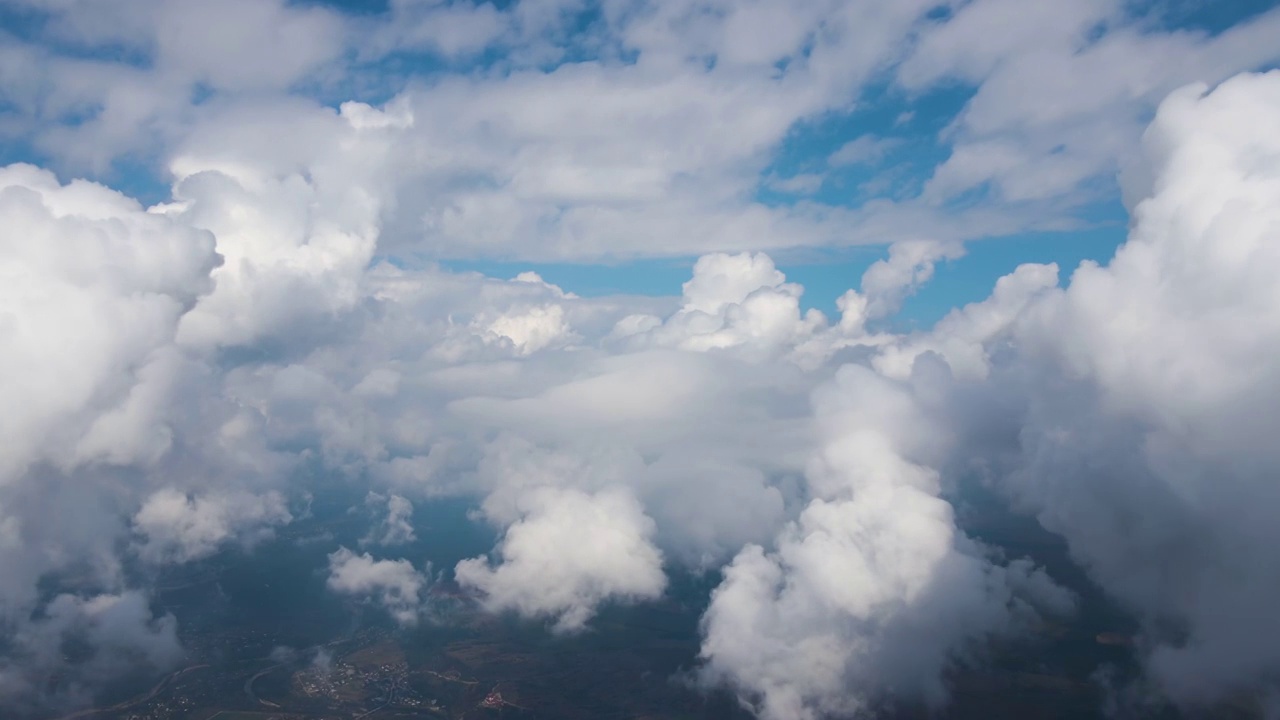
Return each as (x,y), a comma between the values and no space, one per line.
(174,376)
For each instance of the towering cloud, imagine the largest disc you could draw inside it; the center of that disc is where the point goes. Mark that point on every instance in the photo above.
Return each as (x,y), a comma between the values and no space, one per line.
(1151,387)
(872,592)
(92,289)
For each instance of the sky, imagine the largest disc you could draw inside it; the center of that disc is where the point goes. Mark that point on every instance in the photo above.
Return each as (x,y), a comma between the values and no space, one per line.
(738,285)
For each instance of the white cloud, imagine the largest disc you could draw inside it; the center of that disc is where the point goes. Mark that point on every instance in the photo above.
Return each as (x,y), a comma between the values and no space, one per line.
(529,330)
(1131,411)
(1056,107)
(732,301)
(395,585)
(966,335)
(909,265)
(863,150)
(176,526)
(91,292)
(397,528)
(568,552)
(118,630)
(801,184)
(873,590)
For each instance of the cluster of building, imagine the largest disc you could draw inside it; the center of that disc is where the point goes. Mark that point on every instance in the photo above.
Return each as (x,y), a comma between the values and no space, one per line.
(375,685)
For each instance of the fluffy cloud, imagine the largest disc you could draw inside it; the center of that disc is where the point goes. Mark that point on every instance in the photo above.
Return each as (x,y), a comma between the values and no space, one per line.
(175,526)
(397,529)
(118,631)
(395,585)
(909,265)
(967,335)
(733,301)
(872,592)
(567,552)
(93,290)
(297,228)
(1152,454)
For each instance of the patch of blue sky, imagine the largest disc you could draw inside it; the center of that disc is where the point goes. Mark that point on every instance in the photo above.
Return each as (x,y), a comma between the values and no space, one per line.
(902,147)
(132,176)
(140,178)
(31,24)
(1210,16)
(18,150)
(136,175)
(972,277)
(378,80)
(350,7)
(648,277)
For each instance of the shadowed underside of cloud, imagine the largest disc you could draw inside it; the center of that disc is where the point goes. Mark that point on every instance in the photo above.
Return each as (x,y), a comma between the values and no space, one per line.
(168,371)
(872,591)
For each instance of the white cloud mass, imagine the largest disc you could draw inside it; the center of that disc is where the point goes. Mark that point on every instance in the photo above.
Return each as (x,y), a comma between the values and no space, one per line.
(393,584)
(1147,439)
(174,377)
(397,529)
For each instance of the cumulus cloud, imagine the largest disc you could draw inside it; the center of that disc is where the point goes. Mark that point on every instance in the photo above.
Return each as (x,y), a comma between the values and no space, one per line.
(872,592)
(909,265)
(395,585)
(1152,455)
(176,526)
(93,290)
(567,552)
(967,335)
(297,228)
(732,301)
